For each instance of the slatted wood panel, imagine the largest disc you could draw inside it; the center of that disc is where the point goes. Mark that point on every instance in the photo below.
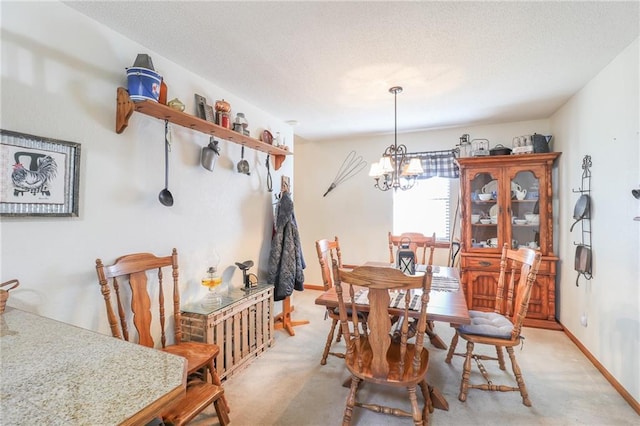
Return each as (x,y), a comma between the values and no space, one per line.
(242,330)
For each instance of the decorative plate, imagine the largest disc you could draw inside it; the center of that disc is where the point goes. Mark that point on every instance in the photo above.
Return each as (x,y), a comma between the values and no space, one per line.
(493,186)
(493,211)
(267,137)
(490,187)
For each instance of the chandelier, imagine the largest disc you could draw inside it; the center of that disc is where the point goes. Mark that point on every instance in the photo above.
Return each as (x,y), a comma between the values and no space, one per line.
(391,171)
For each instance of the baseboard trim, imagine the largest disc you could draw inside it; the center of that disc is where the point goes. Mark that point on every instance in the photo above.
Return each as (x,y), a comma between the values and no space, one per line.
(616,385)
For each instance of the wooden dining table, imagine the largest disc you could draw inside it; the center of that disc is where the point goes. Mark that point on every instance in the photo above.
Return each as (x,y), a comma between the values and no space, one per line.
(54,373)
(446,304)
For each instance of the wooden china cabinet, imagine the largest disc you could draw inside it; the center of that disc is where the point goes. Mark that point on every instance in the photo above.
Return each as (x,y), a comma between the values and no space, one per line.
(507,199)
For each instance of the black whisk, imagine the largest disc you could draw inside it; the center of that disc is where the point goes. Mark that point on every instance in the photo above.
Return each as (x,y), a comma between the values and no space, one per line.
(350,167)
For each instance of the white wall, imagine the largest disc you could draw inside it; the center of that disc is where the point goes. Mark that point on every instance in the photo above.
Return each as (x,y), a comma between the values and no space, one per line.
(359,214)
(603,121)
(60,72)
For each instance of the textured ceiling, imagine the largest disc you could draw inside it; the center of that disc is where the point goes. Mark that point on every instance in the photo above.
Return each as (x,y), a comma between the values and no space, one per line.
(329,65)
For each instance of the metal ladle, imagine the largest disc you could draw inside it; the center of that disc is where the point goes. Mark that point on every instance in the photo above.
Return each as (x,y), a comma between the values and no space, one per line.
(243,165)
(165,196)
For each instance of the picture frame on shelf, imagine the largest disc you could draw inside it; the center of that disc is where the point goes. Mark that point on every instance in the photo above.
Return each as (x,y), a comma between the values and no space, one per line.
(40,175)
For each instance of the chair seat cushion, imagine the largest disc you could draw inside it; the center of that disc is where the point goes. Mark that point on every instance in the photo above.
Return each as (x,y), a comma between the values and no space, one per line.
(488,324)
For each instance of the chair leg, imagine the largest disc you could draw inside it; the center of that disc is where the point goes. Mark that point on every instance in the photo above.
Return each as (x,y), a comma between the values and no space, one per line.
(519,379)
(221,411)
(464,385)
(327,346)
(351,401)
(428,402)
(215,379)
(339,337)
(452,347)
(415,410)
(500,358)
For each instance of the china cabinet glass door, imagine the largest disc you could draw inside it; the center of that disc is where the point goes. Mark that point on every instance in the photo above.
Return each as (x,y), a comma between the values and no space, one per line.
(485,211)
(525,210)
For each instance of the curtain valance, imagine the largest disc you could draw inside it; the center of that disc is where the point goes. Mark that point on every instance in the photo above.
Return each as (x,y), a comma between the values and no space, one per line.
(437,163)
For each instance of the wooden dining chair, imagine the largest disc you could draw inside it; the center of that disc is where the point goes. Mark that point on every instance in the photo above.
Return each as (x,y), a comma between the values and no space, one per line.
(132,305)
(328,251)
(500,328)
(418,243)
(376,358)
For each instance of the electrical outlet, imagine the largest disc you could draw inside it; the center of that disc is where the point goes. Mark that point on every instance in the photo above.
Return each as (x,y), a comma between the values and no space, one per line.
(583,320)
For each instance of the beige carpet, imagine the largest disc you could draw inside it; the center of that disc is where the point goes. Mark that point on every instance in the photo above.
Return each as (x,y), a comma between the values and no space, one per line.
(288,386)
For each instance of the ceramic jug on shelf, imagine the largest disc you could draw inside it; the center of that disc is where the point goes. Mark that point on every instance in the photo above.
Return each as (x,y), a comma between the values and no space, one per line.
(521,194)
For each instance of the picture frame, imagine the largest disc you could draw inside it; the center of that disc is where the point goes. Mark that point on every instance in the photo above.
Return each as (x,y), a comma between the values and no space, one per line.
(40,175)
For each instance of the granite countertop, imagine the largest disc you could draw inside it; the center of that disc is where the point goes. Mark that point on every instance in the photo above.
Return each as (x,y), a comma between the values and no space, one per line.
(58,374)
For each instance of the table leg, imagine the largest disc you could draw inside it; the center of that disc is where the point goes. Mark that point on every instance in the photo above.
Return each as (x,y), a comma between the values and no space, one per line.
(433,337)
(438,399)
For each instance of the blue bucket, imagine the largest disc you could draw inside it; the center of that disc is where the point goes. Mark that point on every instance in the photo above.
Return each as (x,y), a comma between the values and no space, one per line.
(143,84)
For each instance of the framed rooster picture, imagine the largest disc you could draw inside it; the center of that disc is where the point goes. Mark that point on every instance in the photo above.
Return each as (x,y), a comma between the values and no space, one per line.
(39,176)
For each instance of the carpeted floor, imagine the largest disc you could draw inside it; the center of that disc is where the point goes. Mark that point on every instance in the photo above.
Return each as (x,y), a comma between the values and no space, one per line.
(288,386)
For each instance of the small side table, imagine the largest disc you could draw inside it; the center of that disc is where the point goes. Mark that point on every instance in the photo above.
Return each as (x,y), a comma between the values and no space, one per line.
(242,327)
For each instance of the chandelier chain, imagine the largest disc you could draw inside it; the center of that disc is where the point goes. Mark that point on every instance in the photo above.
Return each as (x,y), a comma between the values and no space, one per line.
(391,171)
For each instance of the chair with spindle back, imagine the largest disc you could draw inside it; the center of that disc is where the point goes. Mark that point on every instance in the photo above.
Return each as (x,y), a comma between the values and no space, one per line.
(376,358)
(328,251)
(417,243)
(136,271)
(500,328)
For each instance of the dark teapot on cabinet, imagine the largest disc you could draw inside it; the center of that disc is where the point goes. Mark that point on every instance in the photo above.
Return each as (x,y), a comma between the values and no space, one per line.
(541,143)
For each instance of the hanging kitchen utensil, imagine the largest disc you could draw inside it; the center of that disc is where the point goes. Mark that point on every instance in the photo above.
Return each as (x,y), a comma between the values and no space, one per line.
(165,196)
(581,210)
(243,165)
(269,180)
(350,167)
(583,262)
(581,213)
(209,154)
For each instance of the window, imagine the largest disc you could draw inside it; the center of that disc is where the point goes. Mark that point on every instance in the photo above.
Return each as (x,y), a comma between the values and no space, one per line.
(424,208)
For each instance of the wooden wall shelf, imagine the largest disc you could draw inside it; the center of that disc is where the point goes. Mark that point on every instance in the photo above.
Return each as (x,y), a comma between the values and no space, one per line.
(126,107)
